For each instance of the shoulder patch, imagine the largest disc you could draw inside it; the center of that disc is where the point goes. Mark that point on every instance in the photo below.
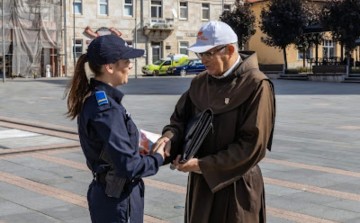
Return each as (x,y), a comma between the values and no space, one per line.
(101,98)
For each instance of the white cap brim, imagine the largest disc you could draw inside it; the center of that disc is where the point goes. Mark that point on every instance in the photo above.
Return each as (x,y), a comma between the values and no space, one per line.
(200,48)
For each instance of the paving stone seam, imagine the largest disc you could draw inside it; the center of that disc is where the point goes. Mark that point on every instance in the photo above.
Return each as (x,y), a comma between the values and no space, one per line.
(56,193)
(285,214)
(31,149)
(296,217)
(40,130)
(269,160)
(81,200)
(38,124)
(313,167)
(29,208)
(60,148)
(44,189)
(180,189)
(313,189)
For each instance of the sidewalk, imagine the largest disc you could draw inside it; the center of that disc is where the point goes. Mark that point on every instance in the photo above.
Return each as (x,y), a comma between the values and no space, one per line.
(312,174)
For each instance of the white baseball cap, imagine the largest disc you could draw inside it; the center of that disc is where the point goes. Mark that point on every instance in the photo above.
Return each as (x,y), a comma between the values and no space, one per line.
(212,34)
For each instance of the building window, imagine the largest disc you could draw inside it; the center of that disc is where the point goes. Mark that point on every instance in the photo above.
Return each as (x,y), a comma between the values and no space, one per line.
(183,47)
(103,7)
(78,48)
(227,8)
(328,49)
(77,7)
(156,9)
(205,10)
(128,8)
(183,10)
(45,14)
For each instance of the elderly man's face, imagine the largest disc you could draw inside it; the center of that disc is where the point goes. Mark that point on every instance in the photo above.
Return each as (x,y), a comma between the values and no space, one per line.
(216,60)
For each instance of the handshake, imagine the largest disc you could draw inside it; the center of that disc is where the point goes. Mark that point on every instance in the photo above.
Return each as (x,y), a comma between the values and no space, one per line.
(195,133)
(154,143)
(150,142)
(163,146)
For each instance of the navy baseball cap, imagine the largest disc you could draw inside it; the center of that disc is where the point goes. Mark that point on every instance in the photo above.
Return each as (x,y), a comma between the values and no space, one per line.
(110,48)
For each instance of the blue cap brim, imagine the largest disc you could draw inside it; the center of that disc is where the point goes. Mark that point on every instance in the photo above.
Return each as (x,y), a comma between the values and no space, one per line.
(133,53)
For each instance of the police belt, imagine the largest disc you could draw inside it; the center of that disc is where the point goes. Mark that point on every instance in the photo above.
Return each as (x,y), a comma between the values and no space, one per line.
(100,178)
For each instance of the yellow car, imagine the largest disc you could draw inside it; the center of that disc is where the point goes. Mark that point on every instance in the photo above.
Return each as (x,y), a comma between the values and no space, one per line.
(161,67)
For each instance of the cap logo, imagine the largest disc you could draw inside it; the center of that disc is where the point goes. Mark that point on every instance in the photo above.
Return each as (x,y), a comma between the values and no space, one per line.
(200,36)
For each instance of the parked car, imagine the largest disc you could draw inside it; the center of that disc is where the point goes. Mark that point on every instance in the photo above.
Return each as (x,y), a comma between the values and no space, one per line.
(194,66)
(161,67)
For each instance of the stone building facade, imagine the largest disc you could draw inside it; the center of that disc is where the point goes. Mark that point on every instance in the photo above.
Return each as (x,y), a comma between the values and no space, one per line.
(161,27)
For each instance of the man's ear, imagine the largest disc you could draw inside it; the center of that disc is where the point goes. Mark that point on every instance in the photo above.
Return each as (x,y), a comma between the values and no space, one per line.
(231,49)
(109,68)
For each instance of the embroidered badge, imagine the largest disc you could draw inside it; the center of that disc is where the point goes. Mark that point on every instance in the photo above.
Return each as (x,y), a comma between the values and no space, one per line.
(227,100)
(101,98)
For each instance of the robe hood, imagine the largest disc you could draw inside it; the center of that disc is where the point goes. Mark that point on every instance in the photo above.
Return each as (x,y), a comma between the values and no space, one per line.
(209,92)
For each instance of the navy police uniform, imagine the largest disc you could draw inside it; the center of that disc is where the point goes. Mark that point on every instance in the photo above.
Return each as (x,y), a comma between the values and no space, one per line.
(104,125)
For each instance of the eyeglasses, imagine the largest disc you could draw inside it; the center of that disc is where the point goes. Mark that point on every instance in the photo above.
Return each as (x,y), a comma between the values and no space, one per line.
(209,54)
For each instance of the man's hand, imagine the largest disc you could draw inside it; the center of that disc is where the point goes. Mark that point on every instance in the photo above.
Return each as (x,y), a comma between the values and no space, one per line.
(192,165)
(162,146)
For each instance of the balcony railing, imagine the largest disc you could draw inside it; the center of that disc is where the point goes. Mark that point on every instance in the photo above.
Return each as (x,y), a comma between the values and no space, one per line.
(159,24)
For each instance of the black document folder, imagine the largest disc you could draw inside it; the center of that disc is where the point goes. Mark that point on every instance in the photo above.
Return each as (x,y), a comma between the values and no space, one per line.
(197,129)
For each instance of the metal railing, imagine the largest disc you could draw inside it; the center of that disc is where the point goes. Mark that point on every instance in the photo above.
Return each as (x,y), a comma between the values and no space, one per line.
(157,23)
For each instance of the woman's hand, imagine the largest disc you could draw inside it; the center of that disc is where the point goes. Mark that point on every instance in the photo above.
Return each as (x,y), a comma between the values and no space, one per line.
(162,146)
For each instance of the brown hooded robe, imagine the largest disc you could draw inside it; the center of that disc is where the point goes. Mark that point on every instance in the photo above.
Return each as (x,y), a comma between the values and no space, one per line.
(230,188)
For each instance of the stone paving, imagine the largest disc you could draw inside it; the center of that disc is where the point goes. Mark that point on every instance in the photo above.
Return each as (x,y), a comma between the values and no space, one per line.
(312,175)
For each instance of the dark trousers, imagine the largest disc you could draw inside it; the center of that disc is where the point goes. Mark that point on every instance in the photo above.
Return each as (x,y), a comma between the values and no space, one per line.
(128,208)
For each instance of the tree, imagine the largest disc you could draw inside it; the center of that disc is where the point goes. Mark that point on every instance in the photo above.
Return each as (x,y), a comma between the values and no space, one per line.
(282,21)
(342,19)
(314,37)
(242,19)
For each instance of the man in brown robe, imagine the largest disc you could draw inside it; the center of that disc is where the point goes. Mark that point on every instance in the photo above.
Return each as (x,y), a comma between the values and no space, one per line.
(225,184)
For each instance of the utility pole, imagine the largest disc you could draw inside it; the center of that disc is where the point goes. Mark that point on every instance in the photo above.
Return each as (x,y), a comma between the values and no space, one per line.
(74,41)
(3,43)
(135,35)
(65,38)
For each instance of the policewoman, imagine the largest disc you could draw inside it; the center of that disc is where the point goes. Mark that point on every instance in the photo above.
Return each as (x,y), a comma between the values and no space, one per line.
(108,135)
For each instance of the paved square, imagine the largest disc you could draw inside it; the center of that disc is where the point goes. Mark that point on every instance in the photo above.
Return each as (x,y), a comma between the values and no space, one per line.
(312,174)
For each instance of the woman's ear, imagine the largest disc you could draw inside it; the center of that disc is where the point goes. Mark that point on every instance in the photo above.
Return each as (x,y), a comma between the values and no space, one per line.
(109,68)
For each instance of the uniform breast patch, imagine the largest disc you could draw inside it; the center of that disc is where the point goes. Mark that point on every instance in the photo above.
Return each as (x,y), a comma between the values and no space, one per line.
(101,98)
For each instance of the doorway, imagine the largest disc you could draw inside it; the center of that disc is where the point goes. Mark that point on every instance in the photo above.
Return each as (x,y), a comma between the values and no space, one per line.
(156,51)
